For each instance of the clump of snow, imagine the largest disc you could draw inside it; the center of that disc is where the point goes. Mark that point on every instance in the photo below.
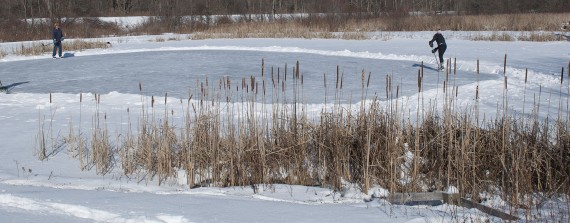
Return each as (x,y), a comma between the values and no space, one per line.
(452,190)
(378,192)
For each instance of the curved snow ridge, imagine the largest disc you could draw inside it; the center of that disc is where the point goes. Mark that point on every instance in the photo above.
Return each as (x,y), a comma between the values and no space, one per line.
(463,65)
(308,202)
(78,211)
(534,77)
(272,49)
(95,185)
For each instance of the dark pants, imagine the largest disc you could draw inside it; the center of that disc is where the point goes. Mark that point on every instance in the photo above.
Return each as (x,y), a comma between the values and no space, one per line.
(56,47)
(441,50)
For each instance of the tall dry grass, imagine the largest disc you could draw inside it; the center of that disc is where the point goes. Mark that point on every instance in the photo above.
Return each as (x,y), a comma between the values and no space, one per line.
(257,131)
(336,26)
(40,29)
(36,48)
(342,26)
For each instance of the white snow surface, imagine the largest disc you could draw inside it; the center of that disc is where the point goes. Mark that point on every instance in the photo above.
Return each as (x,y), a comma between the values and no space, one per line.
(56,190)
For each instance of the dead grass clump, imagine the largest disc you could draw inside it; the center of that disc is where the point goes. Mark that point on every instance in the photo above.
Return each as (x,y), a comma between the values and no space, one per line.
(495,36)
(79,45)
(34,48)
(539,37)
(31,49)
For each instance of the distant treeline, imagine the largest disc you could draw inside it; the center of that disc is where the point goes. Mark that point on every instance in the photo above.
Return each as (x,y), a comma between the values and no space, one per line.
(20,9)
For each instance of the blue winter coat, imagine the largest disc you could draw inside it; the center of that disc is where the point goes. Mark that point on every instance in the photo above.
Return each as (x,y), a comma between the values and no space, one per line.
(57,35)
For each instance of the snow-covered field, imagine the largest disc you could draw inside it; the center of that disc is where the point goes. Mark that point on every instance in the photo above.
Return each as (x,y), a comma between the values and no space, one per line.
(56,190)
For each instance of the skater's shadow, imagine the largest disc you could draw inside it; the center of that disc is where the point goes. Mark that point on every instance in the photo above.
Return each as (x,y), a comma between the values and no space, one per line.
(425,67)
(7,88)
(68,55)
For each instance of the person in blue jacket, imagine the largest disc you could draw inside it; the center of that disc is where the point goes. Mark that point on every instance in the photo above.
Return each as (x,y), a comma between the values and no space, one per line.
(441,46)
(57,36)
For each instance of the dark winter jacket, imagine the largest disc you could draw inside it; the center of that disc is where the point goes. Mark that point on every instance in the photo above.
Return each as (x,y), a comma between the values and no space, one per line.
(57,34)
(437,38)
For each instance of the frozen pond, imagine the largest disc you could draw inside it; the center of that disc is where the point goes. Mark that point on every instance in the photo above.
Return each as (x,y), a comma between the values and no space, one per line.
(177,73)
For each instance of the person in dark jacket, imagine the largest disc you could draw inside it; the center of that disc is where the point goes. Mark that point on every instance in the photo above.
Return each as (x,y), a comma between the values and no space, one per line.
(441,46)
(57,36)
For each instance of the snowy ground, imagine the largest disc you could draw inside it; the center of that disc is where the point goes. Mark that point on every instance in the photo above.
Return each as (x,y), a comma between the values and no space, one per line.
(57,191)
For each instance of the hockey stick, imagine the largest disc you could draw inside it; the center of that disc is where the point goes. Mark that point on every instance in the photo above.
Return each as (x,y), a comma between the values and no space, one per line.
(46,44)
(436,60)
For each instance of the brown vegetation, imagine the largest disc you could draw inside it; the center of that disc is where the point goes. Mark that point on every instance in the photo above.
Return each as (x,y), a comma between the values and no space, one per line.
(313,26)
(227,140)
(27,49)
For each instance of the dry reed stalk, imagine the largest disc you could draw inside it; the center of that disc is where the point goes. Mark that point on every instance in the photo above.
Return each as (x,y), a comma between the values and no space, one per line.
(41,139)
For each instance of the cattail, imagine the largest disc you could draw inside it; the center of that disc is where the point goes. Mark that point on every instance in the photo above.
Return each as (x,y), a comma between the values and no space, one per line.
(80,97)
(140,86)
(387,84)
(562,75)
(263,87)
(50,98)
(505,65)
(152,101)
(454,66)
(505,82)
(422,69)
(252,81)
(272,78)
(285,74)
(456,90)
(525,75)
(341,79)
(368,81)
(165,97)
(325,79)
(297,71)
(419,80)
(397,90)
(362,78)
(262,66)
